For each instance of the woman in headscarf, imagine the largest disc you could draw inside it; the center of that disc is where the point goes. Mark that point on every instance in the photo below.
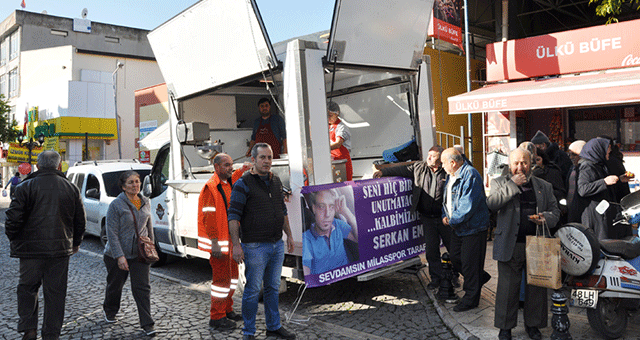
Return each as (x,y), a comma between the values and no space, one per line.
(595,185)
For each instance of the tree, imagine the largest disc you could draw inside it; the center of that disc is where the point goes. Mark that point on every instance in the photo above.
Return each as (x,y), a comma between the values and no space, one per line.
(611,8)
(8,130)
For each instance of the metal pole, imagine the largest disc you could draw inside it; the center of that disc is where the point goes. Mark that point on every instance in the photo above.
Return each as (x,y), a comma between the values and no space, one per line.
(30,147)
(115,102)
(468,65)
(86,146)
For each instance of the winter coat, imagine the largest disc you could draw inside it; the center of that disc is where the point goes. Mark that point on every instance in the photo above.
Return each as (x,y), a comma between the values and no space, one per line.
(552,174)
(46,217)
(121,237)
(591,186)
(469,214)
(559,158)
(422,176)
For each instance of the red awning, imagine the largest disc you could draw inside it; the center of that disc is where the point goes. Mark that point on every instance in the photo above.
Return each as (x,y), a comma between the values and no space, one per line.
(613,87)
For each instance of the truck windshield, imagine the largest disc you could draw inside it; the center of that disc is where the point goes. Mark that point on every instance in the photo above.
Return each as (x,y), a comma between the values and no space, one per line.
(111,181)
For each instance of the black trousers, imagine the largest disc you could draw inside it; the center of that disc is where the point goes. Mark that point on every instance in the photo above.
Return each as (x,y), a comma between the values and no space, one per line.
(434,230)
(535,300)
(467,258)
(51,274)
(140,288)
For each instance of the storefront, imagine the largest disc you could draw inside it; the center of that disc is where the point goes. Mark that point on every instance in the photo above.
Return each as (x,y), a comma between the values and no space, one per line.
(571,85)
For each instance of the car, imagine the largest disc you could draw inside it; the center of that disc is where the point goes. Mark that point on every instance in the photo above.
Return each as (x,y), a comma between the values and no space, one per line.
(98,184)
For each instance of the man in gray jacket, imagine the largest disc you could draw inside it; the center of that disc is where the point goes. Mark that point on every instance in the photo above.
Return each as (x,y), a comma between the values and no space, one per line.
(523,202)
(45,224)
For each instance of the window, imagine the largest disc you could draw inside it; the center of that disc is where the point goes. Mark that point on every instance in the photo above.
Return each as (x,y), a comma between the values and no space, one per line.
(13,48)
(3,86)
(93,183)
(59,32)
(111,39)
(79,180)
(13,83)
(3,52)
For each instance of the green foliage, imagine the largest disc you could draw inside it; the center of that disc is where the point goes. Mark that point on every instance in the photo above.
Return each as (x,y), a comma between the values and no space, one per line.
(611,8)
(8,130)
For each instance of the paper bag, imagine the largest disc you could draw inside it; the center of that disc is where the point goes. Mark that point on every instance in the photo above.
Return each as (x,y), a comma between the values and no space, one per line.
(543,262)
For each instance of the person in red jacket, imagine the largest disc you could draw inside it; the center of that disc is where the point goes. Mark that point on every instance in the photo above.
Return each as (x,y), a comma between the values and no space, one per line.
(213,237)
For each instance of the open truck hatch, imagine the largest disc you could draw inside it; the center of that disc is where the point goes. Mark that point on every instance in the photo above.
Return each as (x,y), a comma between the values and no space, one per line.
(235,46)
(388,34)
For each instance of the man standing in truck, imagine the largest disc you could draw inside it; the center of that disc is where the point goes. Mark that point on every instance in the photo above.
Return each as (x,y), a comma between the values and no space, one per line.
(213,237)
(269,128)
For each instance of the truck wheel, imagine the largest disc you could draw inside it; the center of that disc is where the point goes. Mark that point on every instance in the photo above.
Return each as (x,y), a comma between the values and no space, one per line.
(162,258)
(608,318)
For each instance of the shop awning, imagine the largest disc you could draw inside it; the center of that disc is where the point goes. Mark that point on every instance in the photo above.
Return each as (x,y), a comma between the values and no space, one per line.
(613,87)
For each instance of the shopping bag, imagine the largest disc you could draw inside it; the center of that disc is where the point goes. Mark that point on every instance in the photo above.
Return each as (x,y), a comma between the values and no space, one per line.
(543,260)
(4,193)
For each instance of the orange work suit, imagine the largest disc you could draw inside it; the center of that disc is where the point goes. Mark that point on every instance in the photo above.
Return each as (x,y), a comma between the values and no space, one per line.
(212,224)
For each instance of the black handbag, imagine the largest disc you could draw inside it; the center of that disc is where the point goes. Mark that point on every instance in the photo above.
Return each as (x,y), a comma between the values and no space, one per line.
(147,252)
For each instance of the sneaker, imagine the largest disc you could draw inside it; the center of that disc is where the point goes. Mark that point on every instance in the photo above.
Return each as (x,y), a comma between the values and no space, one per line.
(109,318)
(281,333)
(149,330)
(222,324)
(234,316)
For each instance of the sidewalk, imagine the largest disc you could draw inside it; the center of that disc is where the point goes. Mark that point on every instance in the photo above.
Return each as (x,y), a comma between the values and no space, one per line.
(478,323)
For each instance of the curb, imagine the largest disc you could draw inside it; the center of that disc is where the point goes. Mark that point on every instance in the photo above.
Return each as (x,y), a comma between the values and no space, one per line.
(457,328)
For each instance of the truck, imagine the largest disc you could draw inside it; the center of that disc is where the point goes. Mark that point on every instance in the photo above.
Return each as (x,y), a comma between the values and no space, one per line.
(217,61)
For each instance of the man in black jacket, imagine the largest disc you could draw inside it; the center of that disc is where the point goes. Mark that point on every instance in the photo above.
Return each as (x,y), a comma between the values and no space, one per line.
(428,186)
(45,223)
(556,155)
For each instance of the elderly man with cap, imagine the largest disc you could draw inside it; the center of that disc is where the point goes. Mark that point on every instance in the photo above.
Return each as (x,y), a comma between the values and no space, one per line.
(339,137)
(557,156)
(575,202)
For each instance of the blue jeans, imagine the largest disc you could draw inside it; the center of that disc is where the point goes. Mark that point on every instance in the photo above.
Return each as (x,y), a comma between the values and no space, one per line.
(263,263)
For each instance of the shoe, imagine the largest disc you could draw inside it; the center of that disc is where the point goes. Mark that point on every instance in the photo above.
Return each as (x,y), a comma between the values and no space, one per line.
(433,285)
(234,316)
(30,334)
(107,318)
(281,333)
(505,334)
(533,332)
(463,307)
(222,324)
(149,330)
(484,278)
(248,337)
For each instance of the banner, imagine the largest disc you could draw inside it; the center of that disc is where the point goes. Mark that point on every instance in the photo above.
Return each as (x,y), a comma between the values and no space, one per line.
(20,154)
(355,227)
(445,22)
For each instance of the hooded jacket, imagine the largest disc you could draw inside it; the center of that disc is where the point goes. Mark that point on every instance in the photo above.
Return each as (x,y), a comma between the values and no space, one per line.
(46,217)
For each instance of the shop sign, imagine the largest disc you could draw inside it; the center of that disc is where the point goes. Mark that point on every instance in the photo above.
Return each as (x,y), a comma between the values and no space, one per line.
(445,22)
(588,49)
(20,154)
(145,156)
(52,143)
(387,231)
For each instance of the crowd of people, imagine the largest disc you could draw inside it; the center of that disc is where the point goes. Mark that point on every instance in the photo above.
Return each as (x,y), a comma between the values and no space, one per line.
(242,217)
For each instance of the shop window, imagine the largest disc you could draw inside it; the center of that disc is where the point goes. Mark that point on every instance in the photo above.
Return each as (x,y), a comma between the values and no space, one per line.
(13,82)
(14,47)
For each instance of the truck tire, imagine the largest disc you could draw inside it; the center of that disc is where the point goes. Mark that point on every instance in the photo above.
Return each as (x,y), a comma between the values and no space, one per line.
(609,318)
(103,233)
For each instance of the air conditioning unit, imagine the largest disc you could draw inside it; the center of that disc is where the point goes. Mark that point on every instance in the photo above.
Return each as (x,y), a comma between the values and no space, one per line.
(194,133)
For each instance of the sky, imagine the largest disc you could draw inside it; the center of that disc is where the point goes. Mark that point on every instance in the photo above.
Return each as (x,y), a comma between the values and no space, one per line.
(284,19)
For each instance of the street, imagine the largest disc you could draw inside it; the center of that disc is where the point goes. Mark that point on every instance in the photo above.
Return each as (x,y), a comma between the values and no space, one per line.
(390,307)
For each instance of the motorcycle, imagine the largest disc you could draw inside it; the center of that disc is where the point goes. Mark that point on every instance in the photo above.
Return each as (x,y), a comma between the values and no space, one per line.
(604,275)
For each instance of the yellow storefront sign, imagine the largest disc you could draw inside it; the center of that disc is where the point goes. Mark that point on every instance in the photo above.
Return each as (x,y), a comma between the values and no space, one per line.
(20,154)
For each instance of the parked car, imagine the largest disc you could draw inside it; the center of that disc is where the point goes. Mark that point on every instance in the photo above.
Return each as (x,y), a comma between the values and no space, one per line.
(98,184)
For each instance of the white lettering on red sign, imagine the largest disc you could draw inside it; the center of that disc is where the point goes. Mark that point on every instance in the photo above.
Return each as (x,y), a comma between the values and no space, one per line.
(630,60)
(478,105)
(595,45)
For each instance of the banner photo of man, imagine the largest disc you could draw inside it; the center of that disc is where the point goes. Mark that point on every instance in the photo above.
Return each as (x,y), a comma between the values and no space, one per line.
(445,23)
(354,227)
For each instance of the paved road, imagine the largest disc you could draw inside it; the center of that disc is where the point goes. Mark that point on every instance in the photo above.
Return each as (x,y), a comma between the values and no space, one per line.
(391,307)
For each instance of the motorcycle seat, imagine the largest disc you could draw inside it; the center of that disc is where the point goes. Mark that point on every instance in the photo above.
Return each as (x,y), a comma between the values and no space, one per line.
(627,248)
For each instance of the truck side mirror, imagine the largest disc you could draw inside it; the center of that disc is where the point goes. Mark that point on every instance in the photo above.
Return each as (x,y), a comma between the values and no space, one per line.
(146,186)
(93,193)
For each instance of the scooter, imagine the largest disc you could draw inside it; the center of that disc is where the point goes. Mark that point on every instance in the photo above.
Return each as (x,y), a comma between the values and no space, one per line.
(604,275)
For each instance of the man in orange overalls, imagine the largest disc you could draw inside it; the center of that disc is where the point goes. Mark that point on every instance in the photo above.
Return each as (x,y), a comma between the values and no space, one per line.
(339,137)
(213,237)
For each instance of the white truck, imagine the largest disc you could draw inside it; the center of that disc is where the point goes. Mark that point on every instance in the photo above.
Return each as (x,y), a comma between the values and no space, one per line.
(217,61)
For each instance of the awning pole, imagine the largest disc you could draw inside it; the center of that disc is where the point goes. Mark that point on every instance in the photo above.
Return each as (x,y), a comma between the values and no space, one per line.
(468,65)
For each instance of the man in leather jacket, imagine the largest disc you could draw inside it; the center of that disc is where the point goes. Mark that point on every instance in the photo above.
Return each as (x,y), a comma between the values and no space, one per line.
(45,223)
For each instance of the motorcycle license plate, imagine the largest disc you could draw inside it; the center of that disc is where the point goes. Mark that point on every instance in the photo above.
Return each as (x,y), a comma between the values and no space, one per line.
(585,298)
